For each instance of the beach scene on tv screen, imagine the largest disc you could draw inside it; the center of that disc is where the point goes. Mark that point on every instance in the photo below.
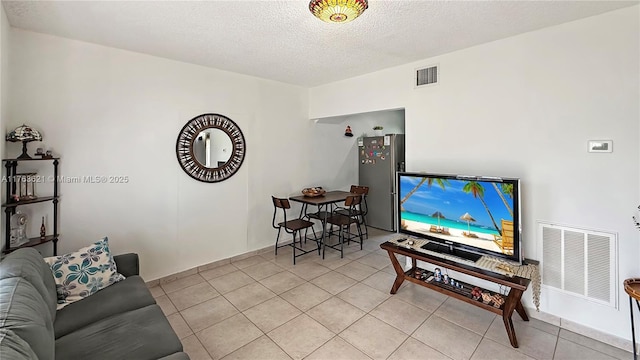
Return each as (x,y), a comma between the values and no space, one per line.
(474,213)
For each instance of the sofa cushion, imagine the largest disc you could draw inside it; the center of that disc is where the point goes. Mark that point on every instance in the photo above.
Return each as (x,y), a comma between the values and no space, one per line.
(126,295)
(84,272)
(25,312)
(28,264)
(12,347)
(128,264)
(138,334)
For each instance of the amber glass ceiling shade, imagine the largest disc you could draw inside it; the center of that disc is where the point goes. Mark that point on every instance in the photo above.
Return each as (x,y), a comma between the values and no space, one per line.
(337,11)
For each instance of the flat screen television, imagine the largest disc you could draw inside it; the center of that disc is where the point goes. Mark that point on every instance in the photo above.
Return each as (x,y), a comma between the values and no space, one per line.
(465,216)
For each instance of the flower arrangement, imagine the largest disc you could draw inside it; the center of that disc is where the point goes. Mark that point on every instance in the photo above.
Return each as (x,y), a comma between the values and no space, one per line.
(378,127)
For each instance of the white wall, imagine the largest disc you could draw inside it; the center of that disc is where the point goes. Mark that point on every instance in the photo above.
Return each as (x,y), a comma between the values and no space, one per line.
(525,107)
(117,113)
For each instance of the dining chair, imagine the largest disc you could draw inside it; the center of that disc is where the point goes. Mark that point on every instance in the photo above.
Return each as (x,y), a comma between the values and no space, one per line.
(344,222)
(362,210)
(293,227)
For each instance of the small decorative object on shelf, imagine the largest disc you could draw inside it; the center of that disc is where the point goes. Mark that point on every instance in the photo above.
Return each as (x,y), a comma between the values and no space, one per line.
(18,229)
(418,274)
(498,300)
(25,187)
(476,293)
(348,132)
(437,274)
(445,279)
(43,231)
(486,297)
(24,134)
(44,155)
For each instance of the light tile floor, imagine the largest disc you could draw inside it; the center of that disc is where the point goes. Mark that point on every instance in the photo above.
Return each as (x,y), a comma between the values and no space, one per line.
(263,307)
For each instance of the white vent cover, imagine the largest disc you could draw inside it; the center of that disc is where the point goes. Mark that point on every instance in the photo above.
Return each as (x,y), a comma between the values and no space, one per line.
(580,262)
(427,76)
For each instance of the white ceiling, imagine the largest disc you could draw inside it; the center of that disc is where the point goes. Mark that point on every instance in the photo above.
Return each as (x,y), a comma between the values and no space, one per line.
(281,40)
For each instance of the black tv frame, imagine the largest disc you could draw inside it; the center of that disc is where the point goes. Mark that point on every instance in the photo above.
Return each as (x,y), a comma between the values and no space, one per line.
(451,247)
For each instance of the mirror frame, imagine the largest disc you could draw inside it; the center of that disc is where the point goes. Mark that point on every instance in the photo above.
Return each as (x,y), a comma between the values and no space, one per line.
(188,135)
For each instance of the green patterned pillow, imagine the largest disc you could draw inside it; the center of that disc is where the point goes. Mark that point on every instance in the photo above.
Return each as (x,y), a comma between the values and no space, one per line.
(84,272)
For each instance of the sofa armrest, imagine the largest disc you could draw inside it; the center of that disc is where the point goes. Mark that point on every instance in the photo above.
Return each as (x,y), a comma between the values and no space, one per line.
(128,264)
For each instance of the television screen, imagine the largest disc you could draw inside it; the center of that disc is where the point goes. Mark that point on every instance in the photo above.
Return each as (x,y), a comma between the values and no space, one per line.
(478,214)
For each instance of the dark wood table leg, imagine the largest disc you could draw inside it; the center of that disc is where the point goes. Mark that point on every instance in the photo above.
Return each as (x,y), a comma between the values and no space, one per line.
(522,311)
(324,230)
(399,273)
(511,304)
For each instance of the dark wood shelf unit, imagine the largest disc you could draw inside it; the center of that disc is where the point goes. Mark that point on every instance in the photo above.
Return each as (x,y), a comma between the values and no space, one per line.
(516,285)
(465,291)
(30,201)
(11,166)
(34,159)
(33,242)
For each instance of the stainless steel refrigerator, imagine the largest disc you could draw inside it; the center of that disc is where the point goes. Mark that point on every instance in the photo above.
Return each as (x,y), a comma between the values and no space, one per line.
(380,157)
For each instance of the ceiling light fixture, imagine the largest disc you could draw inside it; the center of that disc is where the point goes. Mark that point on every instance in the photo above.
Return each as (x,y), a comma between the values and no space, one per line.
(337,11)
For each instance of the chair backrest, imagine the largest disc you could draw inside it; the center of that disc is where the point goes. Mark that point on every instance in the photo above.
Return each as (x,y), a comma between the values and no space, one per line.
(364,191)
(357,189)
(352,202)
(279,203)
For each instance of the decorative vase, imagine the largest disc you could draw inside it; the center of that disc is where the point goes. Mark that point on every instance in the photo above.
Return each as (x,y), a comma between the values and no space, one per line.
(377,132)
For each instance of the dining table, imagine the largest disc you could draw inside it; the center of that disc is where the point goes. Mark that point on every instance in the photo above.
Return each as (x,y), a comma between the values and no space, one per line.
(323,203)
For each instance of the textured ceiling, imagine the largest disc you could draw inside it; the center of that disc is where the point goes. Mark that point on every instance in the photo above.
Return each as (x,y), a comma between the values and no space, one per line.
(281,40)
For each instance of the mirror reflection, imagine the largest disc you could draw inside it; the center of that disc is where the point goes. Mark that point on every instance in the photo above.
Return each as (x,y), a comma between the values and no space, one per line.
(212,148)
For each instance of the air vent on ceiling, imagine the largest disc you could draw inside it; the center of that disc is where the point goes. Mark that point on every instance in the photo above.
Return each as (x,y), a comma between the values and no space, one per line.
(427,76)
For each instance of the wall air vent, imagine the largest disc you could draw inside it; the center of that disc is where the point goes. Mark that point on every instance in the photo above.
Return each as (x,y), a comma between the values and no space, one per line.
(580,262)
(427,76)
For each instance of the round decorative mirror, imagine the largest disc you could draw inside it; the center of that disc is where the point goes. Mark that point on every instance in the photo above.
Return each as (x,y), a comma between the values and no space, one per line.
(210,148)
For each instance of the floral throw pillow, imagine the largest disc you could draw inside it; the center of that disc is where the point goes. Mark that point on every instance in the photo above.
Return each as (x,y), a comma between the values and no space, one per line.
(84,272)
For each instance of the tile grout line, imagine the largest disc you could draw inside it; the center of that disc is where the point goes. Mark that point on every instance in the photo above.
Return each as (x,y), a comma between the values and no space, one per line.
(185,321)
(305,312)
(586,346)
(555,348)
(350,260)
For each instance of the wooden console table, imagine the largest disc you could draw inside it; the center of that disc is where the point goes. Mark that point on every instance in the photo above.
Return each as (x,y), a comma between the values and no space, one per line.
(462,292)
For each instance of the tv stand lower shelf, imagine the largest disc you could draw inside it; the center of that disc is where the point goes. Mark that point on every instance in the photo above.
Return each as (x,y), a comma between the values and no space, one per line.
(461,290)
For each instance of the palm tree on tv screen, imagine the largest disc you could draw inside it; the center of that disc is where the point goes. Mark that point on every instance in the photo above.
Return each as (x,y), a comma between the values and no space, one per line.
(442,182)
(506,189)
(477,190)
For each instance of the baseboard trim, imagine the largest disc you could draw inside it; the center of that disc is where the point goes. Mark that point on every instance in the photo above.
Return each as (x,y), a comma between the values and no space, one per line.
(209,266)
(580,329)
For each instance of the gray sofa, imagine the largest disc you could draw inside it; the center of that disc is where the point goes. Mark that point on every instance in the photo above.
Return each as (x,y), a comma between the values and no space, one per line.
(121,321)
